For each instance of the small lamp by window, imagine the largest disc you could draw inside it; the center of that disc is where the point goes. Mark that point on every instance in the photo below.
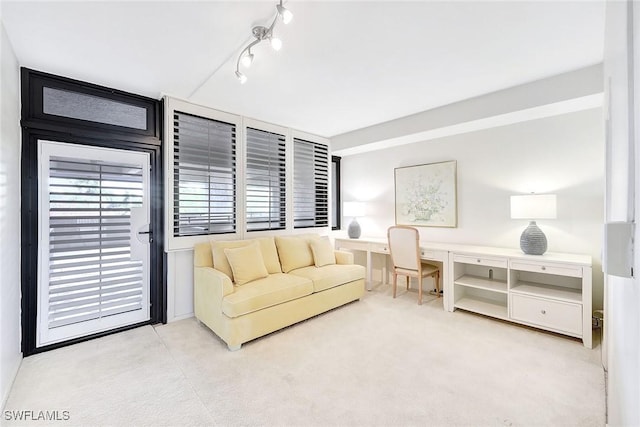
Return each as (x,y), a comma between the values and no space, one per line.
(354,209)
(532,207)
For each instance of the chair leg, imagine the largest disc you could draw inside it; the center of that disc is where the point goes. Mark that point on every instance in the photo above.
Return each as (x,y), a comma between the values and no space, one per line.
(395,283)
(420,289)
(438,283)
(407,277)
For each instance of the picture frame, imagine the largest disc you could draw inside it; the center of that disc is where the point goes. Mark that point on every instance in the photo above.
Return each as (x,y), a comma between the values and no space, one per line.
(426,195)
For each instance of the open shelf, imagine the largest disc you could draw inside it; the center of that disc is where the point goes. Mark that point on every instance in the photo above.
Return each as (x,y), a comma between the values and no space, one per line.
(483,306)
(482,283)
(548,291)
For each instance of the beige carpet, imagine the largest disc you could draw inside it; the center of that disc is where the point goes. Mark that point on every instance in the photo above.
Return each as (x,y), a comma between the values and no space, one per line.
(378,361)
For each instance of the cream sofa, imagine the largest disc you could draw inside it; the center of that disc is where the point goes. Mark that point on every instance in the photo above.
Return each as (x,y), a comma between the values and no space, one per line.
(245,289)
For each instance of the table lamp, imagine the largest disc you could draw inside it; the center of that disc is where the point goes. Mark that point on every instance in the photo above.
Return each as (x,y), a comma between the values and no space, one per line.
(532,207)
(354,209)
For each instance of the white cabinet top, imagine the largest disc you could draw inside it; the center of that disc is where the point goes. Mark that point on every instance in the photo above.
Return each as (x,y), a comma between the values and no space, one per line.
(511,253)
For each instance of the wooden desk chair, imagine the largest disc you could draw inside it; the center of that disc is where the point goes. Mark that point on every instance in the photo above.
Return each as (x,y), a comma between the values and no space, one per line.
(404,247)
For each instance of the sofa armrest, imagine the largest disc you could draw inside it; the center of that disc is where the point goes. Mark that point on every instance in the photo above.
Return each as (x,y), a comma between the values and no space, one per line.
(215,282)
(343,257)
(209,289)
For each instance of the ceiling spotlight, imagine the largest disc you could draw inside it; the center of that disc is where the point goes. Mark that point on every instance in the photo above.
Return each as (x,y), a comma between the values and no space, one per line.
(241,77)
(247,59)
(276,43)
(262,33)
(284,13)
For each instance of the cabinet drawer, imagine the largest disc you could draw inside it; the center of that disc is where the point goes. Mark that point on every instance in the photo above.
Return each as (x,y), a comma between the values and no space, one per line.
(558,269)
(480,260)
(427,254)
(352,244)
(550,314)
(382,248)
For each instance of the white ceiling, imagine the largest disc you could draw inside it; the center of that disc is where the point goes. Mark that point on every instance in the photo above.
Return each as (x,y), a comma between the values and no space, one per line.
(344,65)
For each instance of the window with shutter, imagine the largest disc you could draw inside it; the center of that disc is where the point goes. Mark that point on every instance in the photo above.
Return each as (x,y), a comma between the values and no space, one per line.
(310,184)
(265,180)
(204,184)
(335,193)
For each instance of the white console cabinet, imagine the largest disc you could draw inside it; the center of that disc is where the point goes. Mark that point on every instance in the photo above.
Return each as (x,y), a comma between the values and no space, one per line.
(551,291)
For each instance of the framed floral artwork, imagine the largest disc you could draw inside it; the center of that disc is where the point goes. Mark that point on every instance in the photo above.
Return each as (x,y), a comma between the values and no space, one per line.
(426,195)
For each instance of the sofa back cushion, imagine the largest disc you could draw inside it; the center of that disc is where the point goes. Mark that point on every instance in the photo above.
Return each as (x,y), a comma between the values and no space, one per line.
(294,252)
(270,254)
(246,263)
(202,256)
(267,247)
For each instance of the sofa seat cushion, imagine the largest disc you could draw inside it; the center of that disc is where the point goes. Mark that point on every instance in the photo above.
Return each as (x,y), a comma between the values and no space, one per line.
(262,293)
(330,276)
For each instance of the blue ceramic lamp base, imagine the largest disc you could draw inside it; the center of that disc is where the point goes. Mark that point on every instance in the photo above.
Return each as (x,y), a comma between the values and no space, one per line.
(354,230)
(532,240)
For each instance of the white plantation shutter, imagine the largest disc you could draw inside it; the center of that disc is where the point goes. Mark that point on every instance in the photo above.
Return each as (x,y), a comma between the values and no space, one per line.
(204,184)
(91,274)
(265,181)
(280,182)
(310,184)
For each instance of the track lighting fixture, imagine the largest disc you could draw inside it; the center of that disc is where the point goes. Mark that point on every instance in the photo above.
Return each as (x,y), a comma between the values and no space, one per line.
(262,33)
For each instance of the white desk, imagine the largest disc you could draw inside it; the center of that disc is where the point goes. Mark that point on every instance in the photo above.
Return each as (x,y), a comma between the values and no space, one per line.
(551,291)
(438,252)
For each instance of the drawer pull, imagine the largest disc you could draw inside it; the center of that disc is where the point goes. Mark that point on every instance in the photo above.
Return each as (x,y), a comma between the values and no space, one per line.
(479,260)
(544,268)
(543,311)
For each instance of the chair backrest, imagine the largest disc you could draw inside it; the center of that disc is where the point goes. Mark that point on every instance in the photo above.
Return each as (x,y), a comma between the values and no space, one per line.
(404,247)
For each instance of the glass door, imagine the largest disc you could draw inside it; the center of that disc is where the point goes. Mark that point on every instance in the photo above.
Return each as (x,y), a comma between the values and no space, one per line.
(93,226)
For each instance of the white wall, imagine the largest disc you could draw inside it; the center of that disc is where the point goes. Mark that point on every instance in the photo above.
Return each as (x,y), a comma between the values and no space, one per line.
(563,155)
(179,285)
(622,296)
(10,354)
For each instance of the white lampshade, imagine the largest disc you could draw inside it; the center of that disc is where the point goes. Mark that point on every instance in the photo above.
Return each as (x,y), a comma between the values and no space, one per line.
(533,206)
(353,209)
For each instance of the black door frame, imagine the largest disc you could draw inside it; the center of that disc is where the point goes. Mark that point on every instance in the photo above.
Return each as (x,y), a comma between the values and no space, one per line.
(38,126)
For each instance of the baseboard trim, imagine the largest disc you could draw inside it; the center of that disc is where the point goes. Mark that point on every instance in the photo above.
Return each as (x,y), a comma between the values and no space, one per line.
(5,393)
(181,317)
